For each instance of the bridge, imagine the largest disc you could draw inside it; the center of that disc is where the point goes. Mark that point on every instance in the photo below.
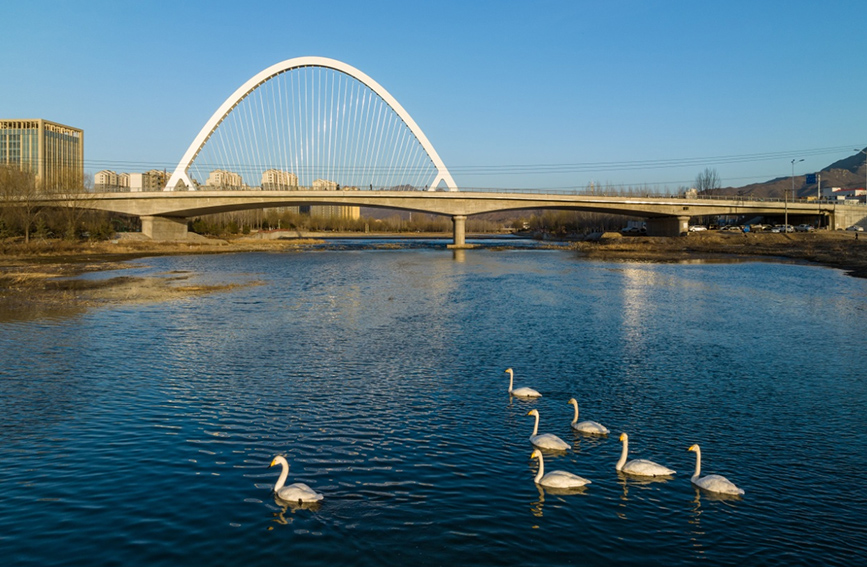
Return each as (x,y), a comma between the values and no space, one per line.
(164,214)
(316,131)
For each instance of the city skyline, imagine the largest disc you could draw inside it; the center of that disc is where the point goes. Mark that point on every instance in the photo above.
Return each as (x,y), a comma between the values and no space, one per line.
(553,95)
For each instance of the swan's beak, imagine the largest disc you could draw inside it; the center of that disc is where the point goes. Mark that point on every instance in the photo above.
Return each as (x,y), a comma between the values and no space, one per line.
(272,463)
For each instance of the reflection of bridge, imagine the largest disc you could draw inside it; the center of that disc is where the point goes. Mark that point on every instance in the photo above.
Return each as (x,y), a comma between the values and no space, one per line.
(164,214)
(318,123)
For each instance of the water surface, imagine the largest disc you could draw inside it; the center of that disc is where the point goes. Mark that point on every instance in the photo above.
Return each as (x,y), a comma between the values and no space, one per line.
(141,434)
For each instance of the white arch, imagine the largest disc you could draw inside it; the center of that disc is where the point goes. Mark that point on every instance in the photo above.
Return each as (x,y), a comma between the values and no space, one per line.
(181,172)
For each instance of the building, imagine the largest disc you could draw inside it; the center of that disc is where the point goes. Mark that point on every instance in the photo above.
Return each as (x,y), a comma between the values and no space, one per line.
(279,180)
(52,151)
(840,194)
(105,180)
(222,179)
(153,180)
(334,211)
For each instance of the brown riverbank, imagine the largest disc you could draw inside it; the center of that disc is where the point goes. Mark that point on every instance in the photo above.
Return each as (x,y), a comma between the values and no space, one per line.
(41,276)
(835,249)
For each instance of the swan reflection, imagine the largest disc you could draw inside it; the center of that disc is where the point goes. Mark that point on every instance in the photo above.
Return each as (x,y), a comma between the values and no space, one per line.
(536,507)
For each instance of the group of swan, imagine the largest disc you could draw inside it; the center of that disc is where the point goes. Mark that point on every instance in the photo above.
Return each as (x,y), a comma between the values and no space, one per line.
(635,467)
(301,493)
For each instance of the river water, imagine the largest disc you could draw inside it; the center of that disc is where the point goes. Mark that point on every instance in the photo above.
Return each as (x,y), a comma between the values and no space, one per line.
(141,434)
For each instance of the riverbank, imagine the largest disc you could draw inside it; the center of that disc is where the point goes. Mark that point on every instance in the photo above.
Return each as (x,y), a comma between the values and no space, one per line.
(835,249)
(44,274)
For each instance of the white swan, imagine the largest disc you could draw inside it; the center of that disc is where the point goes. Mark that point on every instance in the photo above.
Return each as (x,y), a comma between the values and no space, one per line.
(298,492)
(586,426)
(638,467)
(520,392)
(546,440)
(556,479)
(712,482)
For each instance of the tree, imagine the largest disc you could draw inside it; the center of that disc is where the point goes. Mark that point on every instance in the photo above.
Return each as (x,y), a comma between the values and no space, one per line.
(18,198)
(707,181)
(69,186)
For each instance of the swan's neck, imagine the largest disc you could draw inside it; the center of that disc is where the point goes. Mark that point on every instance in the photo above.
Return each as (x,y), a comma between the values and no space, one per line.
(511,380)
(623,455)
(535,426)
(541,472)
(575,419)
(697,463)
(284,474)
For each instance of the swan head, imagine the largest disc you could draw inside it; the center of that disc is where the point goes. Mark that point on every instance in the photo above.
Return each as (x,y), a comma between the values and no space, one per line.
(624,437)
(534,412)
(536,454)
(508,371)
(693,448)
(573,401)
(279,460)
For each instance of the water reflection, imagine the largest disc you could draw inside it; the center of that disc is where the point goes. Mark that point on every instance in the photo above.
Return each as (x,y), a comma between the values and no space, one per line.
(537,506)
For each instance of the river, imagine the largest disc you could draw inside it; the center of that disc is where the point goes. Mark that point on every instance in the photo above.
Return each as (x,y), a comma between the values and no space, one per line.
(141,434)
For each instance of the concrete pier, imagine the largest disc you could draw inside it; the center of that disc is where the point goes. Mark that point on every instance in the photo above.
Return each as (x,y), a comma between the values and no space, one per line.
(460,233)
(164,228)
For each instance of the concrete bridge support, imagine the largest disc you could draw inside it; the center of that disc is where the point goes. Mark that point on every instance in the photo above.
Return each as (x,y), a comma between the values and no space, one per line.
(164,228)
(667,226)
(460,232)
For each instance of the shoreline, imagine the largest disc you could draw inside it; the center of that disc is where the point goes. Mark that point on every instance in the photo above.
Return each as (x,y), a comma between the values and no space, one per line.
(43,277)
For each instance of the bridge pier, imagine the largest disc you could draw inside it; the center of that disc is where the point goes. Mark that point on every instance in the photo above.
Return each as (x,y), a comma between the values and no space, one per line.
(667,226)
(460,233)
(164,228)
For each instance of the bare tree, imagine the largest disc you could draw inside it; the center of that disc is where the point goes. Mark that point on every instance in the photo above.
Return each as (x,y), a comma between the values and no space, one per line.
(707,181)
(69,187)
(18,198)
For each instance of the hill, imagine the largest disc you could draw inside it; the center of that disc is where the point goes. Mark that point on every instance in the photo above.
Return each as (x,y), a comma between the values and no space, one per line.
(847,173)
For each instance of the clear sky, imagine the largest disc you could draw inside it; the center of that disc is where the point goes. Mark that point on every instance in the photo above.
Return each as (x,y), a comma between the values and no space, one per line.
(626,92)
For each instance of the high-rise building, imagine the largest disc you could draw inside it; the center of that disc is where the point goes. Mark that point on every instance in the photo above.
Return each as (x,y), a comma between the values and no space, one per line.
(52,151)
(279,180)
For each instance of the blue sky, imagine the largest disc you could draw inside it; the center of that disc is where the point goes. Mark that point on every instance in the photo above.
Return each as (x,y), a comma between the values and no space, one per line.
(623,92)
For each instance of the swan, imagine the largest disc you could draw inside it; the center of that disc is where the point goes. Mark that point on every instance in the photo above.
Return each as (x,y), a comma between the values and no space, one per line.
(521,392)
(298,492)
(586,426)
(556,479)
(712,482)
(638,467)
(546,440)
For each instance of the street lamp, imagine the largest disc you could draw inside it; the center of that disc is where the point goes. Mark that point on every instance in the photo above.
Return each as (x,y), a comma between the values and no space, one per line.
(786,222)
(865,173)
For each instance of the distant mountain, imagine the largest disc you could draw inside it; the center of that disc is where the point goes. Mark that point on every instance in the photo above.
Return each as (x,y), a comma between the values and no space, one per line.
(847,173)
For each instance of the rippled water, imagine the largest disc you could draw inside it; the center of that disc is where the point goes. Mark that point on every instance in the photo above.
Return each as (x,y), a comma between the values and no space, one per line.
(141,434)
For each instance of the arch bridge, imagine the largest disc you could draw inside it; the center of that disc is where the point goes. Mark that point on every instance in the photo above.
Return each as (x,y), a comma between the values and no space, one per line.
(316,131)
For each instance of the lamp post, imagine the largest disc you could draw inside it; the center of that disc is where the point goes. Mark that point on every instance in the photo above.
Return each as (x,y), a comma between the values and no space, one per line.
(786,221)
(865,172)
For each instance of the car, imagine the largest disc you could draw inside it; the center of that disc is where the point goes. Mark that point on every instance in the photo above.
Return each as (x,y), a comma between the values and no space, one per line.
(856,228)
(696,228)
(783,228)
(804,228)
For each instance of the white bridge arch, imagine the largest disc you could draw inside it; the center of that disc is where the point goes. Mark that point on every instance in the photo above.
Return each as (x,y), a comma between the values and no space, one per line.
(181,176)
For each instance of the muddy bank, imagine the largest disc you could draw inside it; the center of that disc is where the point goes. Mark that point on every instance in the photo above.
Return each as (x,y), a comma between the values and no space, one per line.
(39,280)
(835,249)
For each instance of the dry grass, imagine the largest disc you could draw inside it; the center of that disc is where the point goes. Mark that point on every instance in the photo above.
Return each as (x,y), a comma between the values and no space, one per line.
(838,249)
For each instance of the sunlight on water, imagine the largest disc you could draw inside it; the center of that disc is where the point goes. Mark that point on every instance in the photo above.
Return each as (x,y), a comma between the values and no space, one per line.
(142,434)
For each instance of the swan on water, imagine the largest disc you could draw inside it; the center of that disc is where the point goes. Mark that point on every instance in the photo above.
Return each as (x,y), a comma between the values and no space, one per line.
(556,479)
(712,482)
(520,392)
(546,440)
(638,467)
(586,426)
(297,492)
